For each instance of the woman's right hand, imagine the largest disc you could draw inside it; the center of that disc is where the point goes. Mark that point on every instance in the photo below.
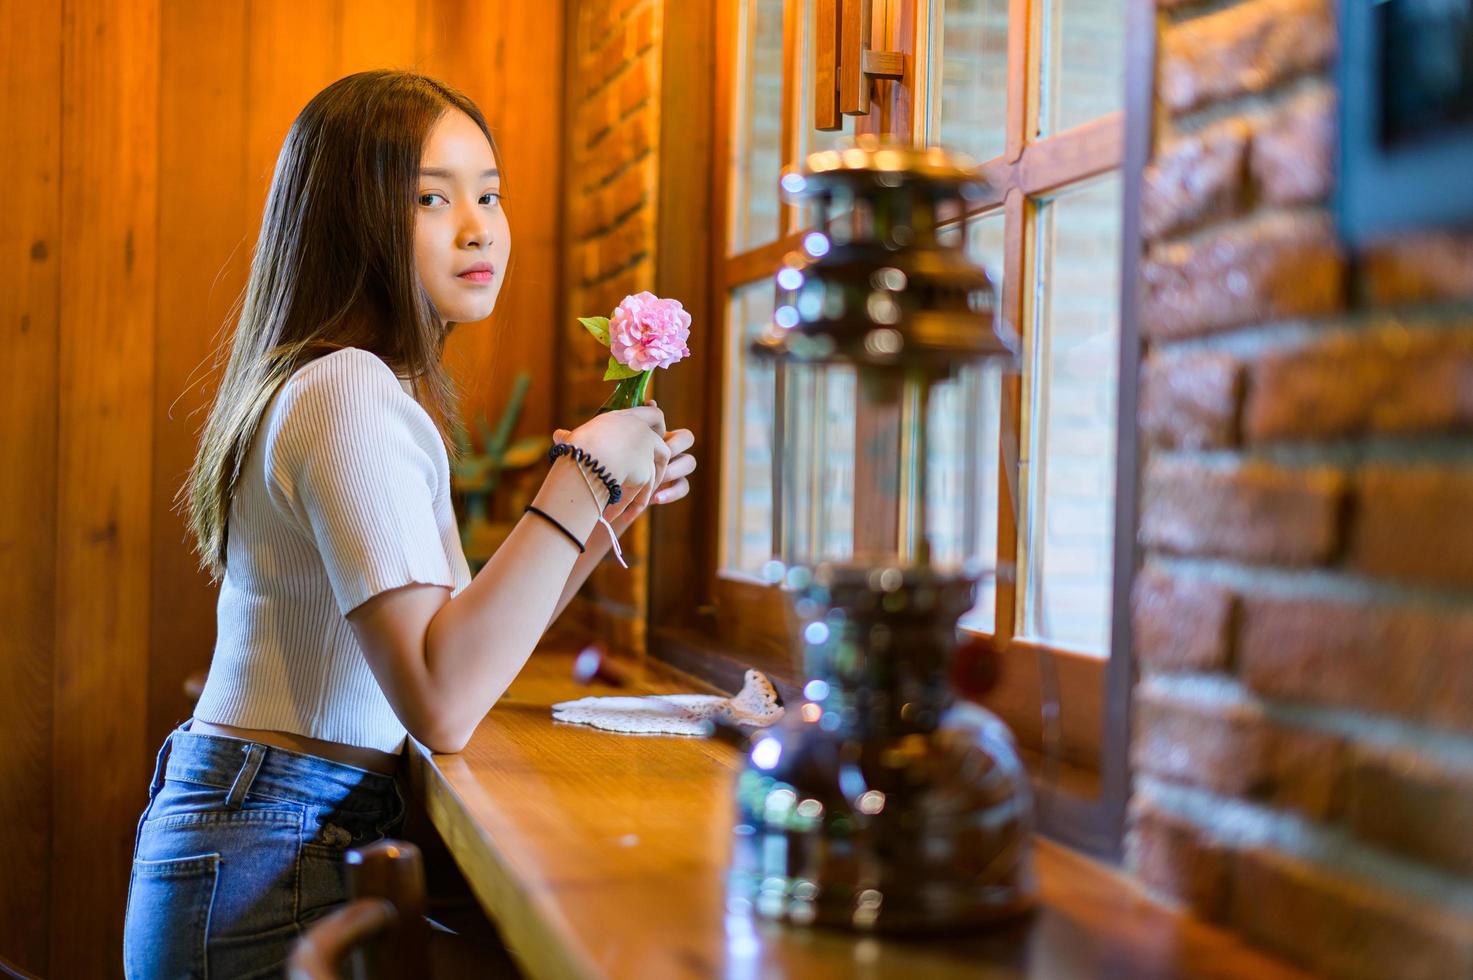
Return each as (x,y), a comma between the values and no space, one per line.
(628,442)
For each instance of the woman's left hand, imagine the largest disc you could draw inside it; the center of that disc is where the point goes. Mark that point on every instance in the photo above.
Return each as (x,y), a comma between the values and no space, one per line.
(667,488)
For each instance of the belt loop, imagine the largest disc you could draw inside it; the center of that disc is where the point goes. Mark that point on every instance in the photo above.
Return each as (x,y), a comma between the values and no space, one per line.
(255,752)
(160,767)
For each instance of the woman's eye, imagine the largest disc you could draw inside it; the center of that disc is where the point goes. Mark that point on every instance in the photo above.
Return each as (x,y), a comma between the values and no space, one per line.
(495,198)
(424,199)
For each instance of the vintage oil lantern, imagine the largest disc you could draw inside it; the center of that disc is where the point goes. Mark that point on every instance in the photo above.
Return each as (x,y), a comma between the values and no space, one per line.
(883,802)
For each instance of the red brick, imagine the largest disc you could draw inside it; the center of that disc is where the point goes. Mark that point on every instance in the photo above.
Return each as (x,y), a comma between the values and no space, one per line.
(1191,402)
(642,28)
(1211,734)
(632,280)
(1282,266)
(1178,858)
(1415,804)
(1414,523)
(1411,661)
(1382,381)
(1419,268)
(630,238)
(1247,48)
(602,61)
(1344,926)
(1194,179)
(1254,512)
(588,260)
(1292,155)
(595,117)
(600,21)
(589,214)
(1219,744)
(629,141)
(594,168)
(1181,624)
(625,192)
(1306,771)
(634,85)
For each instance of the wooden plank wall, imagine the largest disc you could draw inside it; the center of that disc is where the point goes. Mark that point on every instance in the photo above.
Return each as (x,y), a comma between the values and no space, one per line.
(141,138)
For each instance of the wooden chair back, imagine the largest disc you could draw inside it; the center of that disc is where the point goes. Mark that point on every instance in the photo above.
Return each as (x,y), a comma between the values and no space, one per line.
(382,928)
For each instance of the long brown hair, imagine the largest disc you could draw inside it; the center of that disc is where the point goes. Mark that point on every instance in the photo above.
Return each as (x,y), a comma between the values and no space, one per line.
(333,267)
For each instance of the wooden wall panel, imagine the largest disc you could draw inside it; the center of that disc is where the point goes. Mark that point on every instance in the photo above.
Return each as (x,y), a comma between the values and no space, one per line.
(519,90)
(109,122)
(292,54)
(377,34)
(30,116)
(142,144)
(204,254)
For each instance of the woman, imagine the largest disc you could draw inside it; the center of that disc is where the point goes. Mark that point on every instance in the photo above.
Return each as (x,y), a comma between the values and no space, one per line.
(347,616)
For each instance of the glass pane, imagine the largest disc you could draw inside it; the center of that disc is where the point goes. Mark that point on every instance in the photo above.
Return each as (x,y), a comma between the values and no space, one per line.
(746,541)
(757,126)
(1074,344)
(818,437)
(985,244)
(961,513)
(969,77)
(1083,70)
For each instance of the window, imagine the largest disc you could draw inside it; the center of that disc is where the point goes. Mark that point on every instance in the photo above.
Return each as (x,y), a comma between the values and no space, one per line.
(1032,91)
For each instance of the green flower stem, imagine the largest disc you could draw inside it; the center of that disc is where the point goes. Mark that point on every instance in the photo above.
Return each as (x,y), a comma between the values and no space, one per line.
(627,393)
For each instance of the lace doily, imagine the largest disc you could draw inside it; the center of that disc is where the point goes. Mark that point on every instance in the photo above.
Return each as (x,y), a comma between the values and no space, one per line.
(756,704)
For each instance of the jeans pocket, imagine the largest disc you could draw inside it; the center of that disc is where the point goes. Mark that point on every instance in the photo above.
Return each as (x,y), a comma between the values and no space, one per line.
(167,922)
(258,879)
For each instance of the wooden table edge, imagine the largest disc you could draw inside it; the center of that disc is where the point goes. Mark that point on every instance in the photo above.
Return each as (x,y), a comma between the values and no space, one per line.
(541,941)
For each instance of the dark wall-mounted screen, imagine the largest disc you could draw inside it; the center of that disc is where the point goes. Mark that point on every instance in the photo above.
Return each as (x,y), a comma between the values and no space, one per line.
(1426,68)
(1406,117)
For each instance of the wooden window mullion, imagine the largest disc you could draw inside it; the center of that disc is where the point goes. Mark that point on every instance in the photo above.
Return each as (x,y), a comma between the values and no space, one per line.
(1010,491)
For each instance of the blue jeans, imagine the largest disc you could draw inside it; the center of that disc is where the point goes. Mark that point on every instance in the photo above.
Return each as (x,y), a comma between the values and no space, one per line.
(239,849)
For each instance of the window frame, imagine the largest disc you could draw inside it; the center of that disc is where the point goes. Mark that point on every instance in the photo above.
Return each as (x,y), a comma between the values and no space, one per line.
(736,613)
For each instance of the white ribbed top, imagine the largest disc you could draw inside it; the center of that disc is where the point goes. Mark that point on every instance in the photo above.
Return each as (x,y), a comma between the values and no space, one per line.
(345,494)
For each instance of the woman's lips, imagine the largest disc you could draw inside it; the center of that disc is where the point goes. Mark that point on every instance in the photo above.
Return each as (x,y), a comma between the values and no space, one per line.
(477,277)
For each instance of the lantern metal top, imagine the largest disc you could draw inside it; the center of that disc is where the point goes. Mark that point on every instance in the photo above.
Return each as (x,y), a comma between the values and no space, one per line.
(881,287)
(873,161)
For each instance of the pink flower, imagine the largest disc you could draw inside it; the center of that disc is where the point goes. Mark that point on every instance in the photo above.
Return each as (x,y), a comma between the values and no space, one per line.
(647,332)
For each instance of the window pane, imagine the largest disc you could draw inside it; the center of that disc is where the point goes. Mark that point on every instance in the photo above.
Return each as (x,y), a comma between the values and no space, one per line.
(757,126)
(1073,345)
(746,541)
(1083,70)
(985,244)
(969,77)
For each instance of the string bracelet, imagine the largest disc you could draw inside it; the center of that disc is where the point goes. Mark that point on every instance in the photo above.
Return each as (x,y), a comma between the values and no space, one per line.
(557,524)
(613,538)
(587,459)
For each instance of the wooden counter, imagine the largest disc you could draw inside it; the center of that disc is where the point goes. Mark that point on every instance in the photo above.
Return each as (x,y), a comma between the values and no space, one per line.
(604,855)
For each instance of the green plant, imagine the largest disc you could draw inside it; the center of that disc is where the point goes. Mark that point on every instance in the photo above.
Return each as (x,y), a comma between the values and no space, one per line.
(477,474)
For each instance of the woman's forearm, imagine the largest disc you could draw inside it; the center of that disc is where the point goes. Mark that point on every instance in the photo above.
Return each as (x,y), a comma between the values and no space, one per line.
(598,546)
(478,641)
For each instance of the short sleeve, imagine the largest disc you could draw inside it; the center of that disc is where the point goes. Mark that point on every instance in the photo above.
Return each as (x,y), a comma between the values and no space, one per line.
(348,455)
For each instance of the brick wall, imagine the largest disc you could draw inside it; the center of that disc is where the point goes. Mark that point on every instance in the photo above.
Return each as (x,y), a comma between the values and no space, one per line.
(1303,623)
(610,203)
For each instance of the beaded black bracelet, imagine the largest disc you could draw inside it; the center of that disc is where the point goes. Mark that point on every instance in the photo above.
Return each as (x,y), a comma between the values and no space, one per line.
(587,459)
(555,523)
